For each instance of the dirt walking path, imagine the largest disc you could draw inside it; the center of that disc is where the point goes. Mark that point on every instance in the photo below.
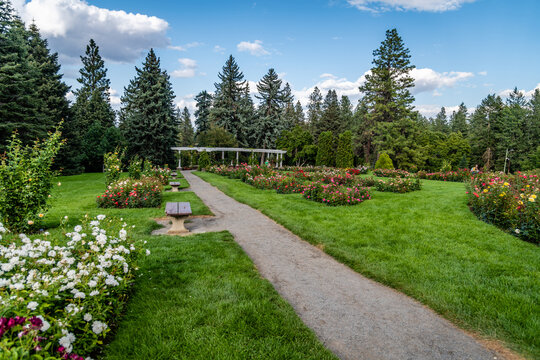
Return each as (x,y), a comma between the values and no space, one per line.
(353,316)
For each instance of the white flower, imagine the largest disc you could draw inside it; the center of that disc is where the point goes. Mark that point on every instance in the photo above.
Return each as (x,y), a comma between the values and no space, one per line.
(517,231)
(78,228)
(147,252)
(100,217)
(32,305)
(122,234)
(66,341)
(87,317)
(45,324)
(94,293)
(79,295)
(92,283)
(98,327)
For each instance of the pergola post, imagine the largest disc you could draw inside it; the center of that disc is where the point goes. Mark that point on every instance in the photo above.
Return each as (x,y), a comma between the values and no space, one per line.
(223,157)
(237,158)
(180,159)
(281,160)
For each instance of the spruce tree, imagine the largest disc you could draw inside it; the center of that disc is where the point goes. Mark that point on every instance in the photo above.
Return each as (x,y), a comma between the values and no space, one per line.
(440,123)
(331,115)
(248,117)
(485,124)
(344,153)
(202,114)
(150,127)
(229,91)
(314,110)
(345,113)
(186,134)
(514,135)
(299,114)
(533,130)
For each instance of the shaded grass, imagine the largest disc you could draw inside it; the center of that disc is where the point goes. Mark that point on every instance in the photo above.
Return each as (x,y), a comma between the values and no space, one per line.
(426,244)
(200,297)
(196,297)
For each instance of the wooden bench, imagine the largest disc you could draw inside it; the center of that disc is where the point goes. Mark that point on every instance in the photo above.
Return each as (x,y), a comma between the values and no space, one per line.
(178,212)
(174,185)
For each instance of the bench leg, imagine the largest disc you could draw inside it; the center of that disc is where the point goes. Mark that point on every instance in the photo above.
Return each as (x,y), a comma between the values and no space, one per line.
(174,189)
(178,226)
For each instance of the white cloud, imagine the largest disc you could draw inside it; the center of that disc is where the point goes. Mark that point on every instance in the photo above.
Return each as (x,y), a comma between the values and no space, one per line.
(527,93)
(187,101)
(428,79)
(188,70)
(69,24)
(432,110)
(483,73)
(115,99)
(219,49)
(327,75)
(185,47)
(404,5)
(254,48)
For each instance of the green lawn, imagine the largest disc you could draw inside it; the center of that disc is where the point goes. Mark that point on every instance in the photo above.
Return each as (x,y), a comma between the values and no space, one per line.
(197,297)
(426,244)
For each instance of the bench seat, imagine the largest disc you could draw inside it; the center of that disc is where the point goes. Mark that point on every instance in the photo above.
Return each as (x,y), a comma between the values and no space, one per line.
(178,212)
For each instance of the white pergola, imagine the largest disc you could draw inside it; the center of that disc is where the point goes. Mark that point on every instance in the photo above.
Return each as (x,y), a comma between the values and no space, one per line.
(279,153)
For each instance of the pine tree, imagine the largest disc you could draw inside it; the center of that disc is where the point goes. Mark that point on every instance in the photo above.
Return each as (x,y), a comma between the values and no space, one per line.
(344,153)
(148,113)
(533,131)
(458,120)
(300,118)
(229,92)
(345,113)
(440,123)
(485,124)
(514,134)
(314,110)
(186,134)
(331,115)
(325,149)
(289,112)
(202,114)
(248,117)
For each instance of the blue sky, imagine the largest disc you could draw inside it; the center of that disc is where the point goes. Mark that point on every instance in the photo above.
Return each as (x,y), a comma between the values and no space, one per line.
(463,49)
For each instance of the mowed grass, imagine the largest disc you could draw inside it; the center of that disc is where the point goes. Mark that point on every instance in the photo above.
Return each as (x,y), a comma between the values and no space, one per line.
(200,297)
(196,297)
(426,244)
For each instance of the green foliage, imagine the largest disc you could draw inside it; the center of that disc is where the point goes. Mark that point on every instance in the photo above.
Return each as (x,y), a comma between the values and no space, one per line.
(463,163)
(446,166)
(217,137)
(148,168)
(299,146)
(132,193)
(135,167)
(384,162)
(202,114)
(253,159)
(344,154)
(148,119)
(26,181)
(325,149)
(314,110)
(204,161)
(398,185)
(331,116)
(186,135)
(112,165)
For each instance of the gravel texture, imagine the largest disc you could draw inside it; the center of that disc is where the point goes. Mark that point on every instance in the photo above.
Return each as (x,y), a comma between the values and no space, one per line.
(353,316)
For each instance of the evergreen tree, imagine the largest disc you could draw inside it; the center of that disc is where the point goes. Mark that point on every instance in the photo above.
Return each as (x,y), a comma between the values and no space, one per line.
(325,149)
(289,111)
(384,162)
(533,132)
(458,120)
(150,126)
(299,114)
(485,124)
(345,113)
(514,133)
(299,146)
(388,99)
(248,117)
(331,115)
(19,100)
(270,121)
(314,110)
(344,153)
(440,123)
(186,134)
(226,111)
(202,114)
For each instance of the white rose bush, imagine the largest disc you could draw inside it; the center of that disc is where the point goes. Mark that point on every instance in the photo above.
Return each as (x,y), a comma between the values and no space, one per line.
(59,297)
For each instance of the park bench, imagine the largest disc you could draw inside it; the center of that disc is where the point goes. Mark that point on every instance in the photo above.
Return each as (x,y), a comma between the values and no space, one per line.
(174,174)
(174,185)
(178,212)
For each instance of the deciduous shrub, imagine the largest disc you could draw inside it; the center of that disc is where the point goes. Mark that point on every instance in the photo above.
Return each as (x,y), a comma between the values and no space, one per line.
(26,180)
(384,162)
(59,302)
(456,176)
(135,167)
(130,193)
(391,173)
(509,202)
(334,195)
(112,163)
(344,153)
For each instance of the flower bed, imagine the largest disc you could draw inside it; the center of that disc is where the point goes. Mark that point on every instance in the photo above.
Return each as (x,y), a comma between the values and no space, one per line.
(130,193)
(357,171)
(398,185)
(391,173)
(334,195)
(59,301)
(456,176)
(509,202)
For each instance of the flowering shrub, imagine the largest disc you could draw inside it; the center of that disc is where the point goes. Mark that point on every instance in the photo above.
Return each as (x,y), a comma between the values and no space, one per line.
(288,185)
(509,202)
(112,163)
(398,185)
(59,301)
(456,176)
(130,193)
(338,179)
(357,171)
(368,181)
(135,167)
(391,173)
(334,195)
(26,180)
(162,174)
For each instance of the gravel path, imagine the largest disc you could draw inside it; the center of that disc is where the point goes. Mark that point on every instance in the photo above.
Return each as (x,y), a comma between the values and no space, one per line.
(353,316)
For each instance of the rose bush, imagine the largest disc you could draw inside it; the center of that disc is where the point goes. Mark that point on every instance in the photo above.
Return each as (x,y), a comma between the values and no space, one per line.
(398,185)
(456,176)
(391,173)
(334,194)
(130,193)
(58,301)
